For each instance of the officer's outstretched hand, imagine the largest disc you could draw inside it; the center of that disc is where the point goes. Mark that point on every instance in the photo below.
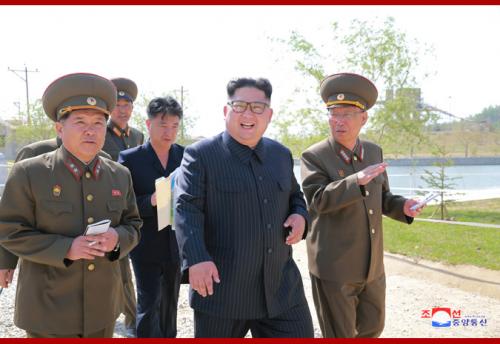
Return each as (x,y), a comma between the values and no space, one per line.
(368,173)
(202,276)
(407,208)
(84,247)
(297,225)
(6,276)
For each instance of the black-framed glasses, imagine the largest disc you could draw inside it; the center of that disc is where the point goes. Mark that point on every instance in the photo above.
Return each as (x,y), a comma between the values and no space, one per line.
(240,106)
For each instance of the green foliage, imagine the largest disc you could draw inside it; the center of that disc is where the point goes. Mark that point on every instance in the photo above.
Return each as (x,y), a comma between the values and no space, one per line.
(490,116)
(138,119)
(139,115)
(39,128)
(400,125)
(482,211)
(452,244)
(300,128)
(440,180)
(379,51)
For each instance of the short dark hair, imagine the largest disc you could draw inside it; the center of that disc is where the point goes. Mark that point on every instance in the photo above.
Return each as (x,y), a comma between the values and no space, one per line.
(262,84)
(164,106)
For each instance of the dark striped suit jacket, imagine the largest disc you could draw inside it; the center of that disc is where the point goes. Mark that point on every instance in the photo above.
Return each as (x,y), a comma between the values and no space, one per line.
(231,203)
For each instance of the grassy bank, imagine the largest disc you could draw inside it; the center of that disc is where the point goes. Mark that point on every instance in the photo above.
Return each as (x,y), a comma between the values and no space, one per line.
(483,211)
(450,243)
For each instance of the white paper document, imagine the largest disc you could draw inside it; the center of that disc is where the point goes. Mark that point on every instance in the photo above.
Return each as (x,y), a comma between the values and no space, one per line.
(163,201)
(98,227)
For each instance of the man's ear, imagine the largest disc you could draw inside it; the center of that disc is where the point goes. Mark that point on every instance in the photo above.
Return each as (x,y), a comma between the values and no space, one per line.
(270,115)
(59,128)
(364,117)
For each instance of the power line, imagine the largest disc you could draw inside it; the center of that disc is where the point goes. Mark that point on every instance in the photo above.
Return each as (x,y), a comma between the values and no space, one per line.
(25,79)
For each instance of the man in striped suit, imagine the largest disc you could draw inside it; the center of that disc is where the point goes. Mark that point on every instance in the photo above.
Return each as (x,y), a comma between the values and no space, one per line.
(238,211)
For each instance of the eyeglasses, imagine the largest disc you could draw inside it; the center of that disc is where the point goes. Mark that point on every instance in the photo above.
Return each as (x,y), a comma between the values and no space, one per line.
(240,106)
(343,116)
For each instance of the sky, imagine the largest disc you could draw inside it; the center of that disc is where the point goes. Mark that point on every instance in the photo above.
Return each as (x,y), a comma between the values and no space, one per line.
(202,47)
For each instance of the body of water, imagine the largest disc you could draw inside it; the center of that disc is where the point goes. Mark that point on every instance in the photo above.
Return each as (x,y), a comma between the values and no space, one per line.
(471,182)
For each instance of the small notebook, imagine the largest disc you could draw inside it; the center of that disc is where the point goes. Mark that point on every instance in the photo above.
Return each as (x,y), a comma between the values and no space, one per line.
(98,227)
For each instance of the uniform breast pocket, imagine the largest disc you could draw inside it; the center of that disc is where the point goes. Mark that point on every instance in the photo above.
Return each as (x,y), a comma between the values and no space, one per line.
(115,209)
(55,217)
(57,208)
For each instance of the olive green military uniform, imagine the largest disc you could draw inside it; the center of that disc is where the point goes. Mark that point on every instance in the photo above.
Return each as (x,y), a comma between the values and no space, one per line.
(48,201)
(113,145)
(45,146)
(7,259)
(345,246)
(117,140)
(37,148)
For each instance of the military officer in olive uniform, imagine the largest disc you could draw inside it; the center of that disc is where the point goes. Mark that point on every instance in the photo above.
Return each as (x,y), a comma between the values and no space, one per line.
(29,151)
(347,191)
(119,136)
(69,283)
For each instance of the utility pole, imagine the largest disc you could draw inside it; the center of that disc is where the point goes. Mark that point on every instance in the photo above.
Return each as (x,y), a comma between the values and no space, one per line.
(182,107)
(25,79)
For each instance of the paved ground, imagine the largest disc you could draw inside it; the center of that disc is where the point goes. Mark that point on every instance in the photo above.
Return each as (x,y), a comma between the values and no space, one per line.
(412,287)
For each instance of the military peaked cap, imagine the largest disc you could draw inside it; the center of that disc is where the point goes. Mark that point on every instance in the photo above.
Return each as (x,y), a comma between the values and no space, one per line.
(348,89)
(78,91)
(126,88)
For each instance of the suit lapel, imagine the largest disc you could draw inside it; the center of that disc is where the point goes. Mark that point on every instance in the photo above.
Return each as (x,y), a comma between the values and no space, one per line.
(155,162)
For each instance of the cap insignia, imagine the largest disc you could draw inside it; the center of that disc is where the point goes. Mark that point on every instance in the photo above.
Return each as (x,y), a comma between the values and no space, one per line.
(340,96)
(121,93)
(91,101)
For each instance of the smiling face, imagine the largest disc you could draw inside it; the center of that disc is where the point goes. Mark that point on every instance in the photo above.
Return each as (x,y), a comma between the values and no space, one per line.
(247,127)
(346,123)
(83,133)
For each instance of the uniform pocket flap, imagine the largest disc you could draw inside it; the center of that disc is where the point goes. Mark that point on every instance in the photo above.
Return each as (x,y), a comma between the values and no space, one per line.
(56,207)
(115,205)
